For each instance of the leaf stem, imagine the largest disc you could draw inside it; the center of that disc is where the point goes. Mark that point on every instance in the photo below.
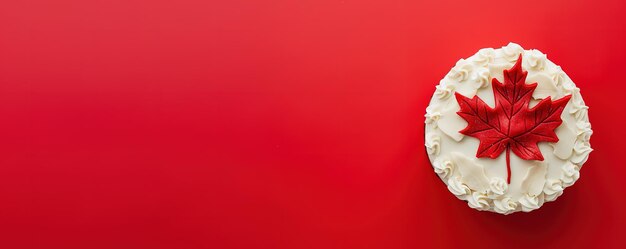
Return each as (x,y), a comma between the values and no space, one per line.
(508,164)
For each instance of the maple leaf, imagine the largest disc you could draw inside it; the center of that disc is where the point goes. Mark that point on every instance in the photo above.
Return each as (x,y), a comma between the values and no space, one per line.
(511,125)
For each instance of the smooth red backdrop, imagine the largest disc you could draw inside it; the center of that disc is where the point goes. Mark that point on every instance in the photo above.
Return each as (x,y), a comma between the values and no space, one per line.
(278,124)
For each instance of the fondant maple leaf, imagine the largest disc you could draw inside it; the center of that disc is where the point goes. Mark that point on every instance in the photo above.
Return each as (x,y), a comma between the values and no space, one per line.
(511,125)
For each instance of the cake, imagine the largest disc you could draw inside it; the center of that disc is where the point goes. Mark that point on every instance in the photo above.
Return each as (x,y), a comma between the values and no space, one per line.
(507,130)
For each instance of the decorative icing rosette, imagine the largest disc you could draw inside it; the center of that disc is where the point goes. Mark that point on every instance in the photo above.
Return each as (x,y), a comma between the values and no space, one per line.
(507,130)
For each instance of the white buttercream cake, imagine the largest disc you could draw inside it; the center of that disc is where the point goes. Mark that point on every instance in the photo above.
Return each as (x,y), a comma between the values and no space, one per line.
(507,174)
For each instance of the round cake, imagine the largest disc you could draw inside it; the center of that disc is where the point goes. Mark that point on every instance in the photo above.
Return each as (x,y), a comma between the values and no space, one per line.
(507,130)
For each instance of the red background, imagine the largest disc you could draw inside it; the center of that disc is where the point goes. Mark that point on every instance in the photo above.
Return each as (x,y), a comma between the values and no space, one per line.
(277,124)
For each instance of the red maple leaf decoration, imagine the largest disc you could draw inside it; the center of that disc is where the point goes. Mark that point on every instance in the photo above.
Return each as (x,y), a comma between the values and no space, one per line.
(511,125)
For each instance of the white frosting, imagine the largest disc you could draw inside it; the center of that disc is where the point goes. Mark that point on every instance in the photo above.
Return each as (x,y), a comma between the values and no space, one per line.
(479,201)
(581,152)
(498,186)
(432,116)
(484,56)
(481,78)
(444,168)
(545,86)
(450,123)
(584,130)
(444,91)
(458,188)
(567,138)
(472,173)
(511,51)
(536,60)
(482,181)
(432,144)
(531,202)
(535,178)
(461,71)
(505,205)
(570,174)
(552,189)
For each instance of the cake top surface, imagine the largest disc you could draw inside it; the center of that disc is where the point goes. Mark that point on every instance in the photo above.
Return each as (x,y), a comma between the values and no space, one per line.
(507,130)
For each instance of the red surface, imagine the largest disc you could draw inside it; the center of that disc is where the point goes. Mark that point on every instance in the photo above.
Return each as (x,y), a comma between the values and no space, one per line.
(277,124)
